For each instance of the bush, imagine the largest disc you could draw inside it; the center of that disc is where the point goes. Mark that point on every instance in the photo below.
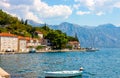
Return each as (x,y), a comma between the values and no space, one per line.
(40,47)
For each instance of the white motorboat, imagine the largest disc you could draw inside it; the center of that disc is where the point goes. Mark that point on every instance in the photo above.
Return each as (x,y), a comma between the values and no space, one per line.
(32,50)
(63,74)
(91,49)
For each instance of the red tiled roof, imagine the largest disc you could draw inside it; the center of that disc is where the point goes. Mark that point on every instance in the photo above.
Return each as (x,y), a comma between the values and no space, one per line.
(21,38)
(38,32)
(73,42)
(34,39)
(28,38)
(7,35)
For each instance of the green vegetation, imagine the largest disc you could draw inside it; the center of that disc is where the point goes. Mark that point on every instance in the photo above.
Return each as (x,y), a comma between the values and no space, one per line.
(40,47)
(13,25)
(69,47)
(57,38)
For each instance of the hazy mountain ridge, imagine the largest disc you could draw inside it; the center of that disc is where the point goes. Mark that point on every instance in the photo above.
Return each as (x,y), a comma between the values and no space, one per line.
(107,35)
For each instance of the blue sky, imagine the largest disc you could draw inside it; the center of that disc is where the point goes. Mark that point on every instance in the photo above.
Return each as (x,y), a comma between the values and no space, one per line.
(82,12)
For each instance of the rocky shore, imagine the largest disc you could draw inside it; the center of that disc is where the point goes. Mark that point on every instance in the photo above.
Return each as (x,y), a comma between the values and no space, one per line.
(4,74)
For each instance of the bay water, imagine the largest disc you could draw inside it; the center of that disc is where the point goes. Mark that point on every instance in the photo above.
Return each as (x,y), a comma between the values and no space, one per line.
(104,63)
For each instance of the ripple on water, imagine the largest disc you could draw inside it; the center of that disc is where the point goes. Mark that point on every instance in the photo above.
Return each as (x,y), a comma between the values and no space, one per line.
(102,64)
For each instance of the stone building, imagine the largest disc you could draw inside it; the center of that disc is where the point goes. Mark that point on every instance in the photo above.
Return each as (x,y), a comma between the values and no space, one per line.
(74,44)
(40,34)
(22,44)
(8,42)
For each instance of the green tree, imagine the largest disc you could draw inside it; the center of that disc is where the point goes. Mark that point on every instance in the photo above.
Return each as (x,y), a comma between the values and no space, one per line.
(40,47)
(26,22)
(58,39)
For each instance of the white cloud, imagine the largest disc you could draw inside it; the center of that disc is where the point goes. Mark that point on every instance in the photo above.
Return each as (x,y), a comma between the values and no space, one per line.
(82,12)
(76,6)
(98,7)
(35,9)
(88,3)
(118,25)
(117,5)
(52,11)
(4,4)
(99,13)
(31,16)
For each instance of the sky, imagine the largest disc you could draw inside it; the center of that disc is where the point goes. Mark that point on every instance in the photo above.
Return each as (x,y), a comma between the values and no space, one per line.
(82,12)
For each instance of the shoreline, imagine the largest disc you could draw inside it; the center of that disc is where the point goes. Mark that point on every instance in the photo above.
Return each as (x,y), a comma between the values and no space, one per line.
(44,51)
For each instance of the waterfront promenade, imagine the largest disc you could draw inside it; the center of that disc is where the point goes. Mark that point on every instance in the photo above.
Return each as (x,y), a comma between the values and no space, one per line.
(40,51)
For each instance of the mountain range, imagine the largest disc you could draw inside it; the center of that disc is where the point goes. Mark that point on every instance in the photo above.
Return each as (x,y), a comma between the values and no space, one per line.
(102,36)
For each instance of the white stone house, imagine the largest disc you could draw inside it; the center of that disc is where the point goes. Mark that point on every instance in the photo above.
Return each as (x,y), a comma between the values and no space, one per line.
(40,34)
(74,44)
(22,44)
(44,42)
(8,42)
(32,42)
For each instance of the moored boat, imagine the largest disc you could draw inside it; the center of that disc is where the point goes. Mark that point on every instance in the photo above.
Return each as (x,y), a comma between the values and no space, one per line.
(33,50)
(91,49)
(63,74)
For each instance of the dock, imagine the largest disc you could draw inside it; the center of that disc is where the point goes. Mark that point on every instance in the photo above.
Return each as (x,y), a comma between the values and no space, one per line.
(4,74)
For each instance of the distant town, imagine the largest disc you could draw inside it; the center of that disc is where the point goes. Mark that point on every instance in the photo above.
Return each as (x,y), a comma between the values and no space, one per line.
(14,43)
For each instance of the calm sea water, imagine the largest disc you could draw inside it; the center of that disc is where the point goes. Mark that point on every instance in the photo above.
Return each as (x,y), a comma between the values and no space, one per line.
(101,64)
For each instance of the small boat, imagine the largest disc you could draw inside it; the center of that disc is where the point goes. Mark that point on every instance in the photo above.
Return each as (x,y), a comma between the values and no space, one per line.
(91,49)
(63,74)
(33,50)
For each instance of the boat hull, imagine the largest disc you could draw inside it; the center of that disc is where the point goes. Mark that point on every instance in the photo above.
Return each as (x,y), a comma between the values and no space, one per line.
(92,49)
(32,50)
(62,74)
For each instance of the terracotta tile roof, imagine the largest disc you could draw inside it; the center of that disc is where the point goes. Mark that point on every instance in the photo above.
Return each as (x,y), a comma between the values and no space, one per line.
(35,39)
(21,38)
(73,42)
(38,32)
(28,38)
(7,35)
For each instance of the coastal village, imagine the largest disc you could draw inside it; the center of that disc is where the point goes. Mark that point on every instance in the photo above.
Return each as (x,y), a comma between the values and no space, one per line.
(14,43)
